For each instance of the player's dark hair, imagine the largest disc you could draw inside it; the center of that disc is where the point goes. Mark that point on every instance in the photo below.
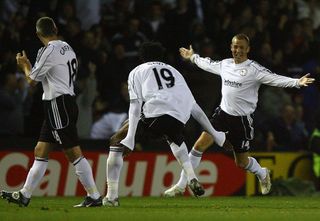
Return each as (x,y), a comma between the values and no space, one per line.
(46,27)
(242,36)
(151,51)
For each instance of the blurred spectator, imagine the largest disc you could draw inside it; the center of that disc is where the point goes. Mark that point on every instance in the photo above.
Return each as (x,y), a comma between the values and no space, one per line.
(11,103)
(107,125)
(66,13)
(178,21)
(88,12)
(73,34)
(285,133)
(131,38)
(89,48)
(112,120)
(272,101)
(86,86)
(154,24)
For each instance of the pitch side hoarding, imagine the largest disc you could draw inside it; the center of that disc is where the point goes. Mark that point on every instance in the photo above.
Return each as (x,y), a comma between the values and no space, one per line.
(149,173)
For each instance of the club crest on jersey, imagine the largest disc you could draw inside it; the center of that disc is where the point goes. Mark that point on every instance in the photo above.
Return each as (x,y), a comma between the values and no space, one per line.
(243,72)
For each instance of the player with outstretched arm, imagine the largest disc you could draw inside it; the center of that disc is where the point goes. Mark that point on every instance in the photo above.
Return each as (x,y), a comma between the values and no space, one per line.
(241,78)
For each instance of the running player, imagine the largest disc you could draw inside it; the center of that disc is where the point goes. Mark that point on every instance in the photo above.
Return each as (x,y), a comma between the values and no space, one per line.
(241,79)
(162,94)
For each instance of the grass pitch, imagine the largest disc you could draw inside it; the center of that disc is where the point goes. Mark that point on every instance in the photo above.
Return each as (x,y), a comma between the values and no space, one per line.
(165,209)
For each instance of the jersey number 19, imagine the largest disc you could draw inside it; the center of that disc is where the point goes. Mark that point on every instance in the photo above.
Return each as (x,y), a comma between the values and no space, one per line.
(166,75)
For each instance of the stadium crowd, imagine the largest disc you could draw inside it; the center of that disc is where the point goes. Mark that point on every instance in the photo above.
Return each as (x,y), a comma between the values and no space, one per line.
(106,34)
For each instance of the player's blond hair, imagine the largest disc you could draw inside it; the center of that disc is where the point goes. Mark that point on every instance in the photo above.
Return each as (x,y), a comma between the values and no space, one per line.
(242,36)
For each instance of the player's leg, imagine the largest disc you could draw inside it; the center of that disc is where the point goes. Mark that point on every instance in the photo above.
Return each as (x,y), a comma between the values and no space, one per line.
(246,162)
(240,134)
(171,128)
(85,176)
(35,174)
(181,154)
(114,166)
(204,142)
(62,115)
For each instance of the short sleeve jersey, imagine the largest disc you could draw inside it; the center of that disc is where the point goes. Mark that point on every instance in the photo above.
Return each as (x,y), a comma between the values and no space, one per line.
(241,82)
(162,89)
(55,67)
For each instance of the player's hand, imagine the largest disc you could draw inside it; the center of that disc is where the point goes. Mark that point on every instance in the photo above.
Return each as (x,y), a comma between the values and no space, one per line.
(305,80)
(186,53)
(22,60)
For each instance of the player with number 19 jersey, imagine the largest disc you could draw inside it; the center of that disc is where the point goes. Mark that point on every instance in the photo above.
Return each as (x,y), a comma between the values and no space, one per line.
(56,66)
(162,89)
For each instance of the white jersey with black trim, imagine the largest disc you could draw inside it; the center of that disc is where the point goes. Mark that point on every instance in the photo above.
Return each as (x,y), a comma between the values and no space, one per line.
(241,82)
(162,89)
(55,67)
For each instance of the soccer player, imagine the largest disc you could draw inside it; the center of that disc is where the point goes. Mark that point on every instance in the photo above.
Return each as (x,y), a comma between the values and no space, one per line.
(55,67)
(162,94)
(241,79)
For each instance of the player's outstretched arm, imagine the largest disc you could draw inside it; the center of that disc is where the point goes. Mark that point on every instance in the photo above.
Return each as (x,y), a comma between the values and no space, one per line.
(186,53)
(304,81)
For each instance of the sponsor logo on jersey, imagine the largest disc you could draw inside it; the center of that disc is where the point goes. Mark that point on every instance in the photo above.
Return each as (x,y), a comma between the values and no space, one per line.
(232,83)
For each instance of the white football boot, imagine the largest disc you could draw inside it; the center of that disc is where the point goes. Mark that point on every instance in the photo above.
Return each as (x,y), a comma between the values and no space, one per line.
(174,191)
(265,184)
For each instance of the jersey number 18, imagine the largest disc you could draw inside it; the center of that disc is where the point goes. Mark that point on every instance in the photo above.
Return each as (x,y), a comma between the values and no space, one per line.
(72,70)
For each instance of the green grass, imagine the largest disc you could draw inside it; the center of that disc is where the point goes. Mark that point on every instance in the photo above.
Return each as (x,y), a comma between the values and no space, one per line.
(164,209)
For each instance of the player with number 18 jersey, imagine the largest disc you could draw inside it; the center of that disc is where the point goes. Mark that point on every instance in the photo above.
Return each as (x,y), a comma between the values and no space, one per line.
(56,66)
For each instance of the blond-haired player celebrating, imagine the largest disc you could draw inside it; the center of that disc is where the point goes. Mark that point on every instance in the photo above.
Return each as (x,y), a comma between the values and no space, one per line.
(241,78)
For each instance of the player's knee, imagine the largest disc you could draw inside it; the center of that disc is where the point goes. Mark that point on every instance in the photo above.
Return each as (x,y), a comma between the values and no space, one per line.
(241,164)
(200,147)
(119,135)
(40,151)
(114,140)
(203,143)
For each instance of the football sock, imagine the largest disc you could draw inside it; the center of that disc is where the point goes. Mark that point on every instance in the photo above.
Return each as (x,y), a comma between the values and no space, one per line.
(181,154)
(255,168)
(198,114)
(114,166)
(195,158)
(35,175)
(84,173)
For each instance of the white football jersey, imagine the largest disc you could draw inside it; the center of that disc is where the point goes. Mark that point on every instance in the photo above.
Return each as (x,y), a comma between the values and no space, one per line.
(55,67)
(241,82)
(162,89)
